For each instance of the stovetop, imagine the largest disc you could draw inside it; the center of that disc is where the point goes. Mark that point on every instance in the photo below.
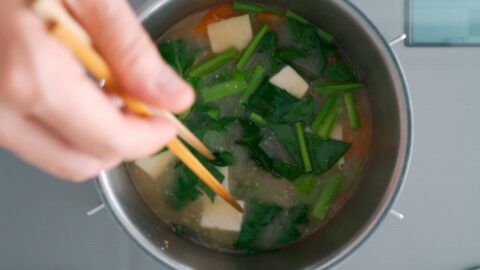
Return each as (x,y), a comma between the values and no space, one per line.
(43,222)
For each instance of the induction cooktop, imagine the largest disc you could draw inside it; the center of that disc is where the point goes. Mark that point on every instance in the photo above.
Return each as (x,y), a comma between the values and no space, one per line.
(435,223)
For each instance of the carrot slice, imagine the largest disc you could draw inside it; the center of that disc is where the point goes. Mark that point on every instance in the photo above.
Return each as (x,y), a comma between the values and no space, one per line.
(332,60)
(269,17)
(216,14)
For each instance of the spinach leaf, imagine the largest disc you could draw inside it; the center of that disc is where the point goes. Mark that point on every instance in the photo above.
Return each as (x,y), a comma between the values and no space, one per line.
(281,56)
(206,117)
(215,172)
(288,234)
(222,123)
(258,216)
(285,170)
(296,216)
(310,36)
(224,159)
(251,141)
(214,113)
(177,55)
(184,188)
(271,102)
(301,111)
(325,153)
(200,120)
(194,82)
(211,167)
(269,47)
(278,106)
(328,49)
(339,71)
(299,214)
(305,34)
(288,55)
(187,187)
(269,43)
(287,136)
(184,231)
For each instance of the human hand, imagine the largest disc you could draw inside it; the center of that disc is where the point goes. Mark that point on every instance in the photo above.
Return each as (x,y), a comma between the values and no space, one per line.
(54,117)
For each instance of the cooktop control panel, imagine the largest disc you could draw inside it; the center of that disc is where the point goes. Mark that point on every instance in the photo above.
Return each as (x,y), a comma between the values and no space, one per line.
(443,22)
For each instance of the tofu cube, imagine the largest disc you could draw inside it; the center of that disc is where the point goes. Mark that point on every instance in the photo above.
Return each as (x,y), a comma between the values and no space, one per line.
(219,214)
(337,132)
(289,80)
(231,33)
(156,165)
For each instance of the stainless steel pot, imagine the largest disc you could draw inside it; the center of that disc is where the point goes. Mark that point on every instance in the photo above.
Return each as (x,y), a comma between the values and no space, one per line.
(380,182)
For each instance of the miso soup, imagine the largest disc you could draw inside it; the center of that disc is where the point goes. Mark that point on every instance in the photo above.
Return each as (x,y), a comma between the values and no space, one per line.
(285,111)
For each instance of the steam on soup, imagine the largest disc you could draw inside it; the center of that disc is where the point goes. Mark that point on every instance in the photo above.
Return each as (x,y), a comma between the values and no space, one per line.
(288,117)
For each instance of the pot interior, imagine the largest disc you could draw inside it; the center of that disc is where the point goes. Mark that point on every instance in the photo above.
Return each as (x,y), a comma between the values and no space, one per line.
(378,183)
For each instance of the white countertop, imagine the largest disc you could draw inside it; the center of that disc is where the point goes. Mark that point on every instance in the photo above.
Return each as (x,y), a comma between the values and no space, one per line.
(440,198)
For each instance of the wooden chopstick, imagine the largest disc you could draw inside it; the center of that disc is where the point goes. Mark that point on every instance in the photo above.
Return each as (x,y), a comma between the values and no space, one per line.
(99,68)
(197,167)
(54,10)
(94,63)
(78,39)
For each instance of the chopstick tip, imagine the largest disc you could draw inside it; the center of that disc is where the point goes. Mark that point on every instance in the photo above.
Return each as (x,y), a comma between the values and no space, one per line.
(236,205)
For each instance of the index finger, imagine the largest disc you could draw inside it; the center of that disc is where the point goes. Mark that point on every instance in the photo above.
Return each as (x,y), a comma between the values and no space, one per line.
(130,53)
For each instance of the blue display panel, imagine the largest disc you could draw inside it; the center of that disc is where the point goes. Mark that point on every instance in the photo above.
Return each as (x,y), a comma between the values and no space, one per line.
(443,22)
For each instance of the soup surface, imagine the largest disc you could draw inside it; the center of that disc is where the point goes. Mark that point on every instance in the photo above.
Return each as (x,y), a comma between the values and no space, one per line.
(286,113)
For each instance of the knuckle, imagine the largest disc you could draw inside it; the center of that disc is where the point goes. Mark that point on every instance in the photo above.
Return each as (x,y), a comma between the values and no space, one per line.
(2,137)
(133,50)
(3,128)
(117,145)
(85,173)
(17,71)
(110,163)
(109,9)
(78,178)
(83,169)
(16,87)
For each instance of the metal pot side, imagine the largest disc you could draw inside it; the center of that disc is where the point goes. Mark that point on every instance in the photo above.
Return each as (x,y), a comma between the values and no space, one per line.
(380,181)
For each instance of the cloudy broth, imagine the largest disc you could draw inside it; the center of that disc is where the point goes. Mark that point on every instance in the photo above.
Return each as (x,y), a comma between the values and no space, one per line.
(262,191)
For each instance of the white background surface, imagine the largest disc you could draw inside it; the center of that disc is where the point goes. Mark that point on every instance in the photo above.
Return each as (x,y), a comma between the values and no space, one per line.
(43,223)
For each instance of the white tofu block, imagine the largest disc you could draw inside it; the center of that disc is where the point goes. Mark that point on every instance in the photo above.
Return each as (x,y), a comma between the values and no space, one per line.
(155,165)
(289,80)
(231,33)
(219,214)
(337,134)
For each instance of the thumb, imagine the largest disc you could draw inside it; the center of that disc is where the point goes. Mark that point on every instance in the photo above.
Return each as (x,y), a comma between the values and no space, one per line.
(130,53)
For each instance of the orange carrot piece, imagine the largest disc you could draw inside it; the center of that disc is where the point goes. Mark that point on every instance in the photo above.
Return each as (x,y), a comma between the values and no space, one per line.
(269,17)
(332,60)
(216,14)
(273,20)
